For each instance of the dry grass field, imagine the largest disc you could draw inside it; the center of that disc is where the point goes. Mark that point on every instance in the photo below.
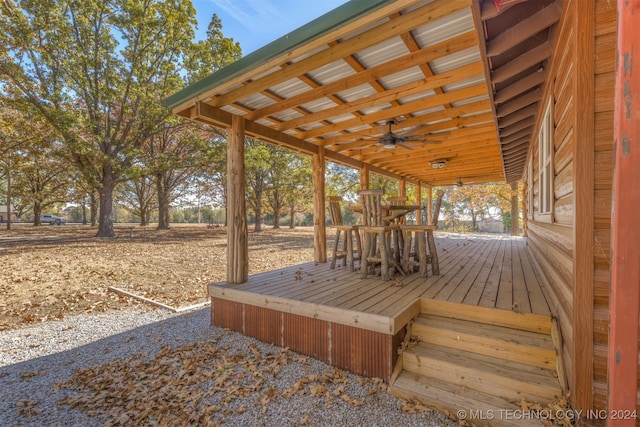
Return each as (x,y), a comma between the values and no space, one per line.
(49,272)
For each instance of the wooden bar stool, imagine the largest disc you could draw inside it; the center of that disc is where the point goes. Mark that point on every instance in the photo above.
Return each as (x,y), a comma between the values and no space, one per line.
(348,232)
(418,236)
(397,233)
(377,235)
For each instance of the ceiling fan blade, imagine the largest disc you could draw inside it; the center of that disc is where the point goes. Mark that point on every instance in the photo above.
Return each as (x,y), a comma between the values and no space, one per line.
(420,138)
(402,144)
(409,131)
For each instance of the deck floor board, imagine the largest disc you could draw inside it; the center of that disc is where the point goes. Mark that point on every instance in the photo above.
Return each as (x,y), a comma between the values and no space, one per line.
(494,271)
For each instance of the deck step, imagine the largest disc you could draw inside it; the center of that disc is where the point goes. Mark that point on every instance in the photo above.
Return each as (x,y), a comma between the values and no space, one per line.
(477,408)
(506,379)
(501,342)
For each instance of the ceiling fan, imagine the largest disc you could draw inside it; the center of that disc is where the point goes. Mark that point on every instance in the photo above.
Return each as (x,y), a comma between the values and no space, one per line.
(390,140)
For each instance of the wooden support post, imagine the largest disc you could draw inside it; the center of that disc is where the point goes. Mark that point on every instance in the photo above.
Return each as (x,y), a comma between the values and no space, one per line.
(524,210)
(237,234)
(515,216)
(419,203)
(364,177)
(319,216)
(430,205)
(625,251)
(583,180)
(402,187)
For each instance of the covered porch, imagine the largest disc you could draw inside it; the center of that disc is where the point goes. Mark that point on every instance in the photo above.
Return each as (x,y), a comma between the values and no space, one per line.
(490,271)
(484,322)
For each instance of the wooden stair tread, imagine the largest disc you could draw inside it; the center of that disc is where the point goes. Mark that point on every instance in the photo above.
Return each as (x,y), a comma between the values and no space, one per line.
(487,315)
(479,408)
(528,347)
(477,370)
(516,336)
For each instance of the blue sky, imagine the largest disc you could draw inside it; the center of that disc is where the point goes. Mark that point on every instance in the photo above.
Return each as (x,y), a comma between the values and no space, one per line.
(255,23)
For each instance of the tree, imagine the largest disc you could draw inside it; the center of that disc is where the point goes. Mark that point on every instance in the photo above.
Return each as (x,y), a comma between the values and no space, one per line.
(138,196)
(42,179)
(258,164)
(288,175)
(299,189)
(97,70)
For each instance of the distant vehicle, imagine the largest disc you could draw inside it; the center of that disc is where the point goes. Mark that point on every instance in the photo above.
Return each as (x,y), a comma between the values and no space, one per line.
(51,220)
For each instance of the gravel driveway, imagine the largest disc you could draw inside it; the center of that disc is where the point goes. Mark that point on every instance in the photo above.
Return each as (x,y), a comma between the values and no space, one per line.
(157,368)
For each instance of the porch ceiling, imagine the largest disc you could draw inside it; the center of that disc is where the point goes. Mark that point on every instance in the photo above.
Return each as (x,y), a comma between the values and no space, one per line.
(464,74)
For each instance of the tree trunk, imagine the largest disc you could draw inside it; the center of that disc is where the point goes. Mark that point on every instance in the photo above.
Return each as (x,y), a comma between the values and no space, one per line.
(276,219)
(93,204)
(292,221)
(515,217)
(144,217)
(37,212)
(258,212)
(9,193)
(84,213)
(105,225)
(163,203)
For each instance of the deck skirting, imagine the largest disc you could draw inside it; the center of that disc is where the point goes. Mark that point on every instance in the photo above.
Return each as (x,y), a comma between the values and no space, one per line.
(357,350)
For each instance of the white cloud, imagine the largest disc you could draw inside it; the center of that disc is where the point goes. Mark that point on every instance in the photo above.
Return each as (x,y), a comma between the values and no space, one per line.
(254,15)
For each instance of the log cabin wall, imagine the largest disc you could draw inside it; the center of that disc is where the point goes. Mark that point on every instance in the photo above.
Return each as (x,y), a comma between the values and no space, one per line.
(552,237)
(605,67)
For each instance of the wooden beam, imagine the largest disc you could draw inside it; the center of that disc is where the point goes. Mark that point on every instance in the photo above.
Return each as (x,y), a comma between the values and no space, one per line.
(524,29)
(490,10)
(319,216)
(402,186)
(408,108)
(519,103)
(218,117)
(583,192)
(509,130)
(625,251)
(434,122)
(516,153)
(404,23)
(521,63)
(406,90)
(284,56)
(516,143)
(524,133)
(513,118)
(429,53)
(237,233)
(524,84)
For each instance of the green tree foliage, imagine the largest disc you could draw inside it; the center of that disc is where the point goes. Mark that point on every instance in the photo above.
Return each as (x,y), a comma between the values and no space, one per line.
(289,181)
(96,71)
(257,167)
(475,202)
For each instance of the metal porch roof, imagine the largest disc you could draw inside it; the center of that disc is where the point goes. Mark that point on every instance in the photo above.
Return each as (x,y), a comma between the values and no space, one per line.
(334,82)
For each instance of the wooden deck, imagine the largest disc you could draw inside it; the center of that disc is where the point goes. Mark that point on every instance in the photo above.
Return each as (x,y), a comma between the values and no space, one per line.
(493,271)
(483,333)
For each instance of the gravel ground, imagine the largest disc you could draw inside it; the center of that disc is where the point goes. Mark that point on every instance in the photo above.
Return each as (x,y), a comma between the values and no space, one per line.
(155,368)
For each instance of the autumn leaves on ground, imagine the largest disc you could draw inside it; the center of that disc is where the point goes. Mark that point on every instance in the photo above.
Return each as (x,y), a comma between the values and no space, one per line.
(50,272)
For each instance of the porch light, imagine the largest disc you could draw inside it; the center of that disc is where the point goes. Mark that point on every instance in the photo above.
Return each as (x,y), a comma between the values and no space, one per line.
(438,164)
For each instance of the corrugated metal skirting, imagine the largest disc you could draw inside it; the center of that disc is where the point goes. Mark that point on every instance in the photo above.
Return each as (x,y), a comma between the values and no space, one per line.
(363,352)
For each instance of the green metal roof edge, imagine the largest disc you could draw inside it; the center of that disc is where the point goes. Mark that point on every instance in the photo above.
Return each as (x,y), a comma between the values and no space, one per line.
(326,23)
